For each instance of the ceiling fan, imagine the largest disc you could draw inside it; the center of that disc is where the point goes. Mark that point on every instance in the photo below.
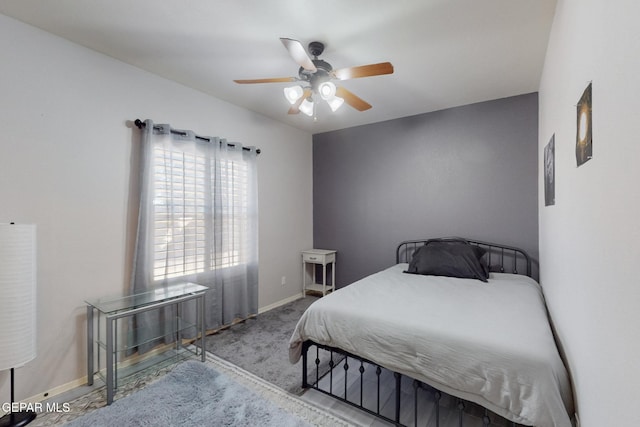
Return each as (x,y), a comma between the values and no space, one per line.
(315,78)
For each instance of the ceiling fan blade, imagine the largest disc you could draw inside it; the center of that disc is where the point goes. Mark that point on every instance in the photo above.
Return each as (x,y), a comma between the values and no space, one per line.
(363,71)
(299,54)
(273,80)
(295,108)
(353,100)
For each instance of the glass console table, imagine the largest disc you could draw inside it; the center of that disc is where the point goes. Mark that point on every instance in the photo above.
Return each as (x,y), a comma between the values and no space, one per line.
(115,308)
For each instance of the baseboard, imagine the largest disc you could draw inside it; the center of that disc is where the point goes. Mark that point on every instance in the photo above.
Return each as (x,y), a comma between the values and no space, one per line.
(57,390)
(280,303)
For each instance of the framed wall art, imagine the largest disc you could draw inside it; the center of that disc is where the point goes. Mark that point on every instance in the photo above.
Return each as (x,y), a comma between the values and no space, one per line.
(550,172)
(584,143)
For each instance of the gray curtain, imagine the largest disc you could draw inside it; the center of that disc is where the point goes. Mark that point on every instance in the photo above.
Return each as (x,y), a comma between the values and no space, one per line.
(198,222)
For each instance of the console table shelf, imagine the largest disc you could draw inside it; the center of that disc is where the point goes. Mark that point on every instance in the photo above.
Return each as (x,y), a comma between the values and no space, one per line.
(103,336)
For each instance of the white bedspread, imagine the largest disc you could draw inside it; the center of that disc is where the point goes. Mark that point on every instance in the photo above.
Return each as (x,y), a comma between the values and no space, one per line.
(489,343)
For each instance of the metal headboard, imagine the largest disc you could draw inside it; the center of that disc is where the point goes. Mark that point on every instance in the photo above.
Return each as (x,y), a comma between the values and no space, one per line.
(500,258)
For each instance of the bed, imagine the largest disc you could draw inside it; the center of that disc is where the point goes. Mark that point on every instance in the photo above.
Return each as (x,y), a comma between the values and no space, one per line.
(485,340)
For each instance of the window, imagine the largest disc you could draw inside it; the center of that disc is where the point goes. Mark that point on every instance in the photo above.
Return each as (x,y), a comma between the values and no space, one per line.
(197,222)
(200,211)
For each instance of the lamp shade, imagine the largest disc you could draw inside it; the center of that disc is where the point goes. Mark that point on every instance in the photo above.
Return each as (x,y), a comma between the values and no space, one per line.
(335,103)
(327,90)
(293,93)
(307,107)
(17,295)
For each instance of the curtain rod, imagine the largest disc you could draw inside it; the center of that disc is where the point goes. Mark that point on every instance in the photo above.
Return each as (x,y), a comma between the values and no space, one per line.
(140,124)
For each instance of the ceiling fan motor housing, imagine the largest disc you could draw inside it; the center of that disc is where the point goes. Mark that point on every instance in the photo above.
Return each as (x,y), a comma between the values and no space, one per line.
(316,48)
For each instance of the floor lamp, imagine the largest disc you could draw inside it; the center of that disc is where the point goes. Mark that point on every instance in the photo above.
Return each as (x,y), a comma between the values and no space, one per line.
(18,311)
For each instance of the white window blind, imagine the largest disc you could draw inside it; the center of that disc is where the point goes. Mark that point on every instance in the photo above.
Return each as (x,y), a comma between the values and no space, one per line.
(200,213)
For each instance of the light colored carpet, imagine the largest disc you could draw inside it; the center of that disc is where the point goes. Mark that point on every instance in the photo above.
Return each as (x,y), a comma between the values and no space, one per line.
(261,345)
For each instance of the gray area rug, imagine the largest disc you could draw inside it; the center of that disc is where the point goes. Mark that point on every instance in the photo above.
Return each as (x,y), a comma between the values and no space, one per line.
(192,394)
(261,345)
(86,404)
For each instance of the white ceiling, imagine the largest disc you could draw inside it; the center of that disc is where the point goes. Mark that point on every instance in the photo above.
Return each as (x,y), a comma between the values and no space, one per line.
(445,52)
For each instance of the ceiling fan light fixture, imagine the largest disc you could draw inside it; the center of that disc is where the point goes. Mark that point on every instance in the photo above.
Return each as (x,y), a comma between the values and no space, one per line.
(293,93)
(307,107)
(327,90)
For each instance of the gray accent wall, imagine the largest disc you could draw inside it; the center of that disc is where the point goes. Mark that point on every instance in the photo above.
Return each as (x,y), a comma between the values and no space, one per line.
(468,171)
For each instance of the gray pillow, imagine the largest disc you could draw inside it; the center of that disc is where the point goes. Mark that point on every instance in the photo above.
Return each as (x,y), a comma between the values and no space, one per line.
(451,259)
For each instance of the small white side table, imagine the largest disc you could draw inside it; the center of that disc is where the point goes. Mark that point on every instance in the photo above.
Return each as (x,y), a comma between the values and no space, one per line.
(318,256)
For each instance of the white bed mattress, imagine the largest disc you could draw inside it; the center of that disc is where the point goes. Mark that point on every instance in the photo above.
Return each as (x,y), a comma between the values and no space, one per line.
(489,343)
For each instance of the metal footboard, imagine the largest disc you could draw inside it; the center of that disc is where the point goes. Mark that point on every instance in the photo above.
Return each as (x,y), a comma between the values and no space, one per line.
(365,385)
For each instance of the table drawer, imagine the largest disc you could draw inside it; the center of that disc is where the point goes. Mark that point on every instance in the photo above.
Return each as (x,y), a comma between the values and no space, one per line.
(318,258)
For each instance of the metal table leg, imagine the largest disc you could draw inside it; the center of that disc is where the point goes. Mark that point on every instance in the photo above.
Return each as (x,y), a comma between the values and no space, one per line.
(89,345)
(109,325)
(203,327)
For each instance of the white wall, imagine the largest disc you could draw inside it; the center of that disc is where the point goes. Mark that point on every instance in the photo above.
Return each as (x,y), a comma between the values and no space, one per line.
(65,162)
(590,240)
